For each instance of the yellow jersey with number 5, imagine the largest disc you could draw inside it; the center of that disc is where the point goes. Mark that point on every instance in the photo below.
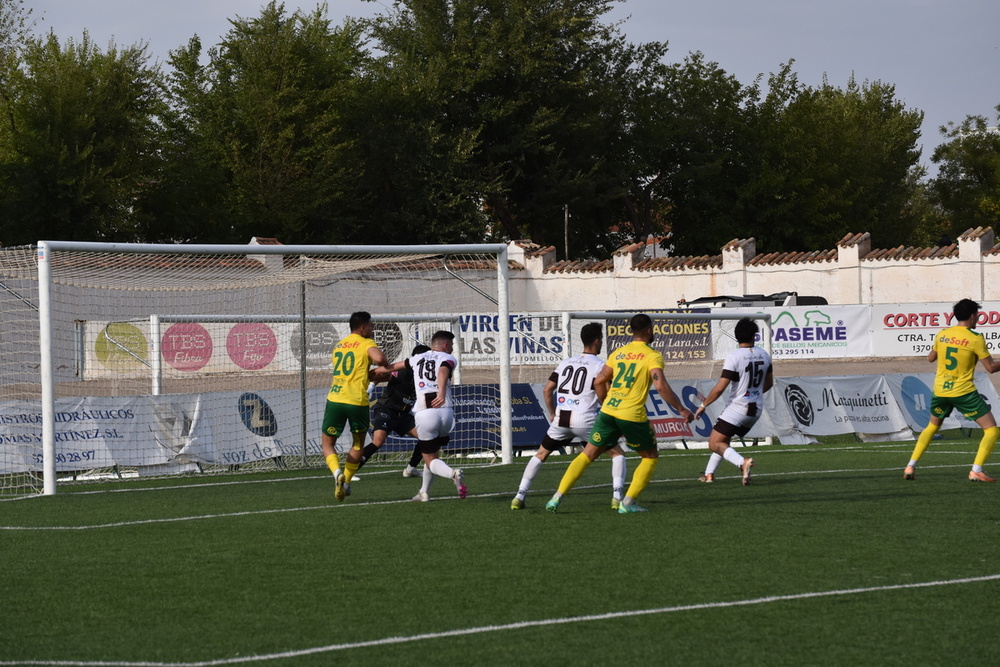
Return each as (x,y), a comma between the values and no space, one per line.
(630,380)
(958,349)
(350,370)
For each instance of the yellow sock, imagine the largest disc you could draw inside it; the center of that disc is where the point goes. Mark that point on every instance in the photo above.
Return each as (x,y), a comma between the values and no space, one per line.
(350,467)
(986,445)
(925,439)
(573,473)
(332,462)
(641,477)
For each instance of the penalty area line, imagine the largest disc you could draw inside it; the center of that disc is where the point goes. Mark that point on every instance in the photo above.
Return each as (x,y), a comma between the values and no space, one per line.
(387,641)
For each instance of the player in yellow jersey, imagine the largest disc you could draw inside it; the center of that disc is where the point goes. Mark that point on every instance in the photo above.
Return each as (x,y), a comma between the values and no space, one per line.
(956,351)
(626,379)
(347,402)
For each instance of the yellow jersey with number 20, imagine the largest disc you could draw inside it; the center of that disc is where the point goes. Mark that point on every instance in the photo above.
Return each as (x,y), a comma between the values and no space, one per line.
(350,370)
(630,380)
(958,350)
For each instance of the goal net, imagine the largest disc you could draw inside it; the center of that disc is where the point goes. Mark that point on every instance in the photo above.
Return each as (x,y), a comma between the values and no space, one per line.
(163,359)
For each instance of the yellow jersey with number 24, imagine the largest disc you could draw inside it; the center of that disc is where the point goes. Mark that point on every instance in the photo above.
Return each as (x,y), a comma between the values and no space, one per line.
(630,380)
(958,350)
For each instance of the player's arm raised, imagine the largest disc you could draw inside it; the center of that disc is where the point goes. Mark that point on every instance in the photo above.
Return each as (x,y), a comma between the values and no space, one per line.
(668,395)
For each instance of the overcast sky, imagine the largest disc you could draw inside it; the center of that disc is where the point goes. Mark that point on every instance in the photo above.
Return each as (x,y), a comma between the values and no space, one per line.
(942,56)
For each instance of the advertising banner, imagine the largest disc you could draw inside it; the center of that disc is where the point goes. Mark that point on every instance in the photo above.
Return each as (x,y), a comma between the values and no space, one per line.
(676,340)
(913,393)
(904,330)
(159,433)
(117,349)
(224,428)
(832,405)
(814,332)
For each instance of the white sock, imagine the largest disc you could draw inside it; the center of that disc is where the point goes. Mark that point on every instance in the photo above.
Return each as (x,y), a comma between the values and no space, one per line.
(713,464)
(441,469)
(619,470)
(530,471)
(426,479)
(733,457)
(911,464)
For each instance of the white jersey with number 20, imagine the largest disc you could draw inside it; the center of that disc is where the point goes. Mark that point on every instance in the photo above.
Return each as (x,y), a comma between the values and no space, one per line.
(575,399)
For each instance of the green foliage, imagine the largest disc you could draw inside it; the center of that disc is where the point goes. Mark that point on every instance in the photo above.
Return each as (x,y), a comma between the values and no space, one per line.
(689,148)
(967,186)
(460,121)
(81,137)
(828,162)
(521,88)
(256,135)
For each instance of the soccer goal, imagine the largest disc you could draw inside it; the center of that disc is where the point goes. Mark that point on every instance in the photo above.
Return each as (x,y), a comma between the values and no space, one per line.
(163,359)
(694,346)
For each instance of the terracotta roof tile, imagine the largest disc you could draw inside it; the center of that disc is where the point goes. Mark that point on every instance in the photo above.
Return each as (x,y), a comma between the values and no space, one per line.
(793,257)
(911,253)
(972,234)
(581,266)
(853,239)
(679,263)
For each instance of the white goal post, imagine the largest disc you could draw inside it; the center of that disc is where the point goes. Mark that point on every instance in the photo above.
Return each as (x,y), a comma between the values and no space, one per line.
(170,329)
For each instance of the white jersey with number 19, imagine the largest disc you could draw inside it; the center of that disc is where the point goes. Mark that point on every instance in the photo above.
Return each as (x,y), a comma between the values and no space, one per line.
(425,377)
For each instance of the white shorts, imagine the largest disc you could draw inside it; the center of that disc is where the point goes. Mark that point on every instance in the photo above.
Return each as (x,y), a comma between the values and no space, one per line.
(562,433)
(434,422)
(736,416)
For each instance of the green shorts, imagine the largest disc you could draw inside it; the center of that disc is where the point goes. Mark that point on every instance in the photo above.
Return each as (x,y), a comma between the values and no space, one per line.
(338,414)
(639,436)
(971,405)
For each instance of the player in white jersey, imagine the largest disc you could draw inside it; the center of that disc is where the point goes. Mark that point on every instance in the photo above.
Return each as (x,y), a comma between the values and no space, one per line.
(748,374)
(574,402)
(432,410)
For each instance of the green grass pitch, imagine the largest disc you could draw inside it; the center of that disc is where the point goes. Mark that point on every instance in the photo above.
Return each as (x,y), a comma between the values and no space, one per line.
(828,558)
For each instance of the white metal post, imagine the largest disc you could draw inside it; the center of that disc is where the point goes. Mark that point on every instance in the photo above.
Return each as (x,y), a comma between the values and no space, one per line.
(503,305)
(47,378)
(155,361)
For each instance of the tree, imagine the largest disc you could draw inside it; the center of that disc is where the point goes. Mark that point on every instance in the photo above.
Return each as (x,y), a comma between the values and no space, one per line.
(514,95)
(967,186)
(828,161)
(688,142)
(80,140)
(257,135)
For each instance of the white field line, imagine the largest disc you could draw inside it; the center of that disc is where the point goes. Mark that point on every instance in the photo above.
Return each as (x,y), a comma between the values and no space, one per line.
(885,447)
(678,453)
(282,510)
(520,625)
(233,482)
